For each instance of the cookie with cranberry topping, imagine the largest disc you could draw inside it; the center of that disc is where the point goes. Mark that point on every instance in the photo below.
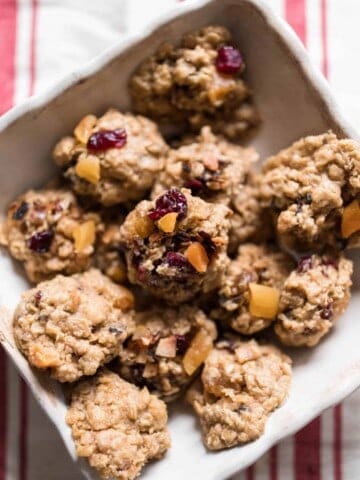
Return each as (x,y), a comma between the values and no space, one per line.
(112,159)
(306,187)
(116,426)
(312,299)
(261,265)
(241,384)
(157,354)
(49,232)
(73,325)
(197,82)
(175,245)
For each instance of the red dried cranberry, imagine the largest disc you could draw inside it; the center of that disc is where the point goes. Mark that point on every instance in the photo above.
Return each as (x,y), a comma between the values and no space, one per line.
(327,312)
(229,60)
(171,201)
(174,259)
(304,264)
(182,344)
(195,185)
(330,261)
(106,139)
(37,297)
(40,242)
(21,211)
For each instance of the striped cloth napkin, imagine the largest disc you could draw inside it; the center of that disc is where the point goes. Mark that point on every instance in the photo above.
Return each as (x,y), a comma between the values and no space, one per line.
(40,40)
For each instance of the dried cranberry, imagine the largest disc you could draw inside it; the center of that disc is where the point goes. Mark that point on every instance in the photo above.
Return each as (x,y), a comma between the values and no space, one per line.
(21,211)
(195,185)
(229,60)
(40,242)
(304,264)
(106,139)
(182,344)
(171,201)
(329,261)
(37,297)
(327,312)
(174,259)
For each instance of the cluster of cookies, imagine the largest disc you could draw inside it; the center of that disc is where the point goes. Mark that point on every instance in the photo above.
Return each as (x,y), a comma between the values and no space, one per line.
(156,263)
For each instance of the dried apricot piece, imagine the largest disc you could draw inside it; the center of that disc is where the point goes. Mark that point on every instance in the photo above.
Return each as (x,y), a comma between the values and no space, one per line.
(84,235)
(88,168)
(264,301)
(84,128)
(167,223)
(196,255)
(198,351)
(350,222)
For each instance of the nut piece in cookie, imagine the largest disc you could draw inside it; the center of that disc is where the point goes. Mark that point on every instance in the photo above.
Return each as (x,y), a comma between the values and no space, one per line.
(248,297)
(116,426)
(50,233)
(307,185)
(73,325)
(312,299)
(241,384)
(175,246)
(198,81)
(155,355)
(112,159)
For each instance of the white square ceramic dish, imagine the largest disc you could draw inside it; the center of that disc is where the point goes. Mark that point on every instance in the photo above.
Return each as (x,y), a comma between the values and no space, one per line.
(294,100)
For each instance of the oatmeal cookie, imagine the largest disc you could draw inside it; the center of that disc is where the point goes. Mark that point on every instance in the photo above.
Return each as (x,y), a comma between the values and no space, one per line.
(154,355)
(116,426)
(112,159)
(312,299)
(50,233)
(198,82)
(259,264)
(175,246)
(241,384)
(306,186)
(73,325)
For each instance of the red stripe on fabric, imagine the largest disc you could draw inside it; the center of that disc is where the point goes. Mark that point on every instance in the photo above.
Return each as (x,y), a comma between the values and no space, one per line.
(295,14)
(250,473)
(23,454)
(273,463)
(34,6)
(324,37)
(337,446)
(307,452)
(3,413)
(7,53)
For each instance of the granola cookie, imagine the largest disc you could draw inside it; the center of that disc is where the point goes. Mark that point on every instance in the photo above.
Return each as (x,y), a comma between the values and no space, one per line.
(175,246)
(73,325)
(197,82)
(154,355)
(312,299)
(307,185)
(49,232)
(112,159)
(260,264)
(241,384)
(116,426)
